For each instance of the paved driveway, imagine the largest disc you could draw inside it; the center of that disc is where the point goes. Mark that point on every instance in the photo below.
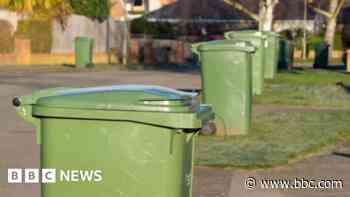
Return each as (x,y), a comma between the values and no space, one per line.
(18,148)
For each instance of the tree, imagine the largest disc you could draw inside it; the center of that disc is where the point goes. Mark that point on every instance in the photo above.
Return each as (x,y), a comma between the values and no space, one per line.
(123,4)
(265,16)
(94,9)
(331,15)
(39,9)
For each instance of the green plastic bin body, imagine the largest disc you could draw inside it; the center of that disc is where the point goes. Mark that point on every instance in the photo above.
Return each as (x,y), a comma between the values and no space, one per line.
(286,55)
(283,60)
(258,39)
(271,55)
(227,83)
(83,51)
(140,137)
(321,55)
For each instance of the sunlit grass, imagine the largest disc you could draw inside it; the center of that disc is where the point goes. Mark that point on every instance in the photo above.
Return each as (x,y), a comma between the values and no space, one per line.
(275,139)
(307,88)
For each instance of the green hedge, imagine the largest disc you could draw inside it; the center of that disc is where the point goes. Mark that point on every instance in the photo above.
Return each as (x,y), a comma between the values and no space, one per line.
(141,26)
(313,39)
(94,9)
(39,33)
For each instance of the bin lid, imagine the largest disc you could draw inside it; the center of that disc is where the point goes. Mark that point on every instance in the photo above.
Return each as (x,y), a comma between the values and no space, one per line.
(123,97)
(273,34)
(237,45)
(136,103)
(245,33)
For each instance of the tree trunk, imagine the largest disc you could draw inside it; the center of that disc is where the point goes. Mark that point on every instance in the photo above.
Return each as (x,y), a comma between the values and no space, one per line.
(108,40)
(330,32)
(262,12)
(267,22)
(125,50)
(304,31)
(266,14)
(331,24)
(265,17)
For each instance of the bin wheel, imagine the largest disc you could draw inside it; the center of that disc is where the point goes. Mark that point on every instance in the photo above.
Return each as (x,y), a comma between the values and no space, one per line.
(208,129)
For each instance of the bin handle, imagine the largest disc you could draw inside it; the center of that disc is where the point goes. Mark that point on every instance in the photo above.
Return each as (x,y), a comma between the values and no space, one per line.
(25,111)
(227,35)
(194,48)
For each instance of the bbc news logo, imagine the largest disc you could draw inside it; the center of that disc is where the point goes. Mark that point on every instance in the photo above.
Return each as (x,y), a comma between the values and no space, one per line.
(17,175)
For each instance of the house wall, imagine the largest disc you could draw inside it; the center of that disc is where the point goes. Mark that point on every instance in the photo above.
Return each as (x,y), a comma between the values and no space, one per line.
(167,2)
(157,4)
(11,17)
(154,5)
(282,25)
(116,11)
(63,39)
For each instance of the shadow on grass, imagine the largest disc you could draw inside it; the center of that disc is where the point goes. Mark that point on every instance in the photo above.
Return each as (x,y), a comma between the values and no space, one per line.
(340,67)
(345,87)
(296,136)
(183,68)
(69,65)
(340,154)
(297,71)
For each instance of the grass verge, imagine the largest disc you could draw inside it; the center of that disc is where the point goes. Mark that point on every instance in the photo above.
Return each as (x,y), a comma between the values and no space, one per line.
(307,88)
(275,139)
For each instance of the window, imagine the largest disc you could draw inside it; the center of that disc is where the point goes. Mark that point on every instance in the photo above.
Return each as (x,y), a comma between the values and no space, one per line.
(138,2)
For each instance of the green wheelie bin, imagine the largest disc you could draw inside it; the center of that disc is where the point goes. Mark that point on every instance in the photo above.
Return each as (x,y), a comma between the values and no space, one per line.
(271,54)
(83,51)
(141,138)
(321,55)
(286,55)
(258,39)
(226,69)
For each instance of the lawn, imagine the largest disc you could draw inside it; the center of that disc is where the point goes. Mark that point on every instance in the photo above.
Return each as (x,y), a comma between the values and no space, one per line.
(280,137)
(317,88)
(276,139)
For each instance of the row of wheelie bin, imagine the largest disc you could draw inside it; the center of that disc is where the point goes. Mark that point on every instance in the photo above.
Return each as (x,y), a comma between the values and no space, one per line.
(233,70)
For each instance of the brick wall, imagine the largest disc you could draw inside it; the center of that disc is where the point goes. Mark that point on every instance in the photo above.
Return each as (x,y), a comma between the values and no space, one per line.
(166,2)
(23,56)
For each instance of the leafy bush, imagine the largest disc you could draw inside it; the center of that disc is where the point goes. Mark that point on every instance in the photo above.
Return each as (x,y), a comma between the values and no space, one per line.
(346,36)
(94,9)
(142,26)
(6,39)
(39,32)
(313,39)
